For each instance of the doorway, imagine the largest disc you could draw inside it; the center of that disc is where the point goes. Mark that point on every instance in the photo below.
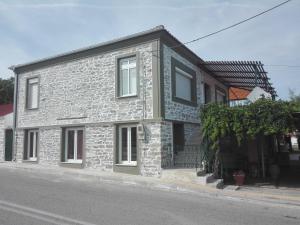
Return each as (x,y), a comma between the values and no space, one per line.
(8,145)
(178,137)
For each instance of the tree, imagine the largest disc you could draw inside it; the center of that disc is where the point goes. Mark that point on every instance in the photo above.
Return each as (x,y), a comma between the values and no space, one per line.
(263,117)
(295,100)
(6,90)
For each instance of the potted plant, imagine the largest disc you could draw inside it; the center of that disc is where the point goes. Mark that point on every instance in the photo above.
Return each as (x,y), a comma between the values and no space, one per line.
(239,177)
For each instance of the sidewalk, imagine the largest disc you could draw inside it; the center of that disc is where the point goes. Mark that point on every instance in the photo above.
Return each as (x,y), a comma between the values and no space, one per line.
(179,183)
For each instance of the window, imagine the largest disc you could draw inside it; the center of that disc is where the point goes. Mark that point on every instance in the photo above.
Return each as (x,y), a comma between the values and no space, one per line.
(31,145)
(127,77)
(207,94)
(32,93)
(183,85)
(220,96)
(128,145)
(73,145)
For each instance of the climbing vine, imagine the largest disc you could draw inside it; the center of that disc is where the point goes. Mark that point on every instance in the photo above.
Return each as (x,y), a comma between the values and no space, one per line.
(264,116)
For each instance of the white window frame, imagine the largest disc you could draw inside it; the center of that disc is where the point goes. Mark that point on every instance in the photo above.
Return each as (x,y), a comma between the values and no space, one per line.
(74,160)
(30,82)
(187,75)
(127,67)
(35,147)
(128,161)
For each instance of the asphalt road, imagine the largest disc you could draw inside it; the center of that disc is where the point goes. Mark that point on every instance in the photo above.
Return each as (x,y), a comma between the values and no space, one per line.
(39,199)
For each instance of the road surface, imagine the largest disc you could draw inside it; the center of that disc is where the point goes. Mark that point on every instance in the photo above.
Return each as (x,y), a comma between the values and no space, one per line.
(32,198)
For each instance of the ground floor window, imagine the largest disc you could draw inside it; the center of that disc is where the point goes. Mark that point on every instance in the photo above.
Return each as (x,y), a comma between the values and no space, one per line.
(128,145)
(73,149)
(31,145)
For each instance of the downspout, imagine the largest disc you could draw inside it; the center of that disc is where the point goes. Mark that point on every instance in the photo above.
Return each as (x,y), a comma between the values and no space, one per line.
(15,109)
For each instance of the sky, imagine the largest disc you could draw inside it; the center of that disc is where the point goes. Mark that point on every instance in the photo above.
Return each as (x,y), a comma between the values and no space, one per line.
(34,29)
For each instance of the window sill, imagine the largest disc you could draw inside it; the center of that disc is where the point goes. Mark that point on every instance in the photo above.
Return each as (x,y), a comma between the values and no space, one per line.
(30,161)
(124,164)
(184,102)
(72,162)
(127,96)
(29,109)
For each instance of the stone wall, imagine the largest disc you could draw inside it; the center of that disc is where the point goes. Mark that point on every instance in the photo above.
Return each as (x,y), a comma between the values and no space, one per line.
(19,145)
(99,146)
(175,110)
(49,146)
(150,150)
(85,89)
(83,93)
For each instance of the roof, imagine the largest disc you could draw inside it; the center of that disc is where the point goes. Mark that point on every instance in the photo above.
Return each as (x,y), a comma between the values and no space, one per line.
(6,109)
(238,93)
(158,28)
(158,32)
(241,74)
(245,74)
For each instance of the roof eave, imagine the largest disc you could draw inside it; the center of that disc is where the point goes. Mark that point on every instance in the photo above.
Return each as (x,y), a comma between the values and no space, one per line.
(89,48)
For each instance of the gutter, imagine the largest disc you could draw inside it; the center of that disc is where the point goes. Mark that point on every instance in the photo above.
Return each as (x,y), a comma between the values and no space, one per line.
(15,109)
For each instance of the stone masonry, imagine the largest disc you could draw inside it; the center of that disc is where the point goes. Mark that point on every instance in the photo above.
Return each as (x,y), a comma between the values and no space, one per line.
(82,93)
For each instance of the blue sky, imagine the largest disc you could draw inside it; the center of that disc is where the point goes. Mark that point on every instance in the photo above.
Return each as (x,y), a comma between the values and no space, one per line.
(30,30)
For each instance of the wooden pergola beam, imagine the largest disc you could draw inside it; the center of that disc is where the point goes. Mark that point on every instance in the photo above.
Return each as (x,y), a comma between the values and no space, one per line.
(243,74)
(237,71)
(242,77)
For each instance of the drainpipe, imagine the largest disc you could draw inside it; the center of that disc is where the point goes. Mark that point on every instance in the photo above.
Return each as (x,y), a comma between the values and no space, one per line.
(15,112)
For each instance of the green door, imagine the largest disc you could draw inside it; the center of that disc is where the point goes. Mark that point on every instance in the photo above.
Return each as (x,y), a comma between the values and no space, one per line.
(8,144)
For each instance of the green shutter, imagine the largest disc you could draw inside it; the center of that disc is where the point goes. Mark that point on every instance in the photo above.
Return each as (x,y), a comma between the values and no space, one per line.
(25,145)
(63,145)
(8,144)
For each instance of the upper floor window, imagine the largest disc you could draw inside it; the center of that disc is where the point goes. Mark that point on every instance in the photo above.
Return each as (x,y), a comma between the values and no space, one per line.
(207,94)
(183,84)
(220,96)
(32,93)
(127,77)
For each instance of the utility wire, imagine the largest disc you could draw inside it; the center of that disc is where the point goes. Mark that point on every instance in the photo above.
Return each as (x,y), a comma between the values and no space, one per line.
(231,26)
(234,25)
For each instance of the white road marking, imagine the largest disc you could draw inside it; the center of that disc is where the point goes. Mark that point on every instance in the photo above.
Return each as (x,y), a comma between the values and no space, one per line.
(39,214)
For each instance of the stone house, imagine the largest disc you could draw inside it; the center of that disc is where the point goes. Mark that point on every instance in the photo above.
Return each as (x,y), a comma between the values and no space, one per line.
(113,106)
(6,132)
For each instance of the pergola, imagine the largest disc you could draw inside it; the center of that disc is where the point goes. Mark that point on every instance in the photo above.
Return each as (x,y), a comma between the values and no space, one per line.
(241,74)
